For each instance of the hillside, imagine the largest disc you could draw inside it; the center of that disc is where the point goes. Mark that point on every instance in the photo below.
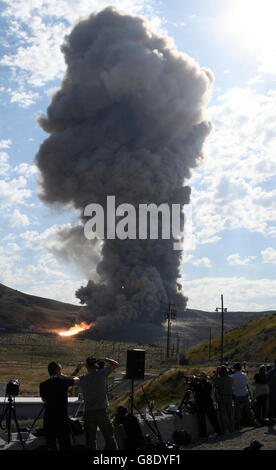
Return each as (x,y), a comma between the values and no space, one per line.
(19,310)
(193,326)
(254,341)
(163,389)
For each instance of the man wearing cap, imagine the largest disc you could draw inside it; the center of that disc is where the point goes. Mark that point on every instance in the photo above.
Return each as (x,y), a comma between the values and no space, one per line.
(93,386)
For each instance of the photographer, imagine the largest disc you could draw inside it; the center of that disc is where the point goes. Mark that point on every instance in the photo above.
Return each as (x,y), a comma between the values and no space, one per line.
(271,380)
(54,393)
(223,386)
(204,404)
(93,386)
(261,393)
(133,433)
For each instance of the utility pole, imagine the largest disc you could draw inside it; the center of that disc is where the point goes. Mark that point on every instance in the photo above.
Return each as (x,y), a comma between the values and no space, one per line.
(177,348)
(223,310)
(169,315)
(210,343)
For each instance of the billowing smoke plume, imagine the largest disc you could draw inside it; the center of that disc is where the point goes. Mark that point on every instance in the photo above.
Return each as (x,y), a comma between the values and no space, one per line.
(128,121)
(69,245)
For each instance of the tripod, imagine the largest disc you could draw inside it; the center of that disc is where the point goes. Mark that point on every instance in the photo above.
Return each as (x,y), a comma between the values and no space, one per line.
(186,399)
(80,408)
(9,413)
(132,396)
(154,427)
(30,429)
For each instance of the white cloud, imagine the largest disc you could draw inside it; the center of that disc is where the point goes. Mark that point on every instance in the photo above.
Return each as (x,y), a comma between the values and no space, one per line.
(236,259)
(14,191)
(23,98)
(4,164)
(239,293)
(12,248)
(179,24)
(8,257)
(187,258)
(43,276)
(267,62)
(230,190)
(38,29)
(26,170)
(269,255)
(59,289)
(243,139)
(18,219)
(203,262)
(5,143)
(255,80)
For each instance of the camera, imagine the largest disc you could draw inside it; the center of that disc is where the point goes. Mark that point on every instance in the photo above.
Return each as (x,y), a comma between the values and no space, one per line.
(100,364)
(191,381)
(12,387)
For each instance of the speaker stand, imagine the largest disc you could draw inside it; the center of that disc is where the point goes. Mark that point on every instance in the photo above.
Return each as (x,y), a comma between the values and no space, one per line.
(132,396)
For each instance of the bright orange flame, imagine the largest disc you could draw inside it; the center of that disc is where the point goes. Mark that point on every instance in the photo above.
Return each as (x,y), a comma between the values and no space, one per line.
(74,330)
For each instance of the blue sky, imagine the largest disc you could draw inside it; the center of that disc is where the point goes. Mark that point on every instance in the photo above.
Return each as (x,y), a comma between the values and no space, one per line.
(233,191)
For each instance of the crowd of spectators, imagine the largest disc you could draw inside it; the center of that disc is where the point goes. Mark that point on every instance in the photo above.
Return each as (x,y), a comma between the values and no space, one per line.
(228,391)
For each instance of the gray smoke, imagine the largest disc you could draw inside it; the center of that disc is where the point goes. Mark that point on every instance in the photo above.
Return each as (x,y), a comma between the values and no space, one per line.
(129,121)
(70,246)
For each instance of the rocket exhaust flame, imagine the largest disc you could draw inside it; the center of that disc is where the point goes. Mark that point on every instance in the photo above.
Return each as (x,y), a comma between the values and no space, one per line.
(78,328)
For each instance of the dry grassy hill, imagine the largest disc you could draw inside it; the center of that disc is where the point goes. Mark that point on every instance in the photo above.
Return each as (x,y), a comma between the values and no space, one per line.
(255,341)
(19,310)
(194,325)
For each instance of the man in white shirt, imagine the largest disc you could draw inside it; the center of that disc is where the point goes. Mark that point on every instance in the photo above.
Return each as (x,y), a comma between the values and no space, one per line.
(93,385)
(240,393)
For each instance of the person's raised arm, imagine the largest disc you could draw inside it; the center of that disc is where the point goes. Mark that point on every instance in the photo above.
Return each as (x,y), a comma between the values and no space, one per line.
(77,369)
(73,375)
(114,364)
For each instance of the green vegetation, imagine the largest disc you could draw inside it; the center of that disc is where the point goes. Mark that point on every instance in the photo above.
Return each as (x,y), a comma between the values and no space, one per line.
(168,387)
(255,341)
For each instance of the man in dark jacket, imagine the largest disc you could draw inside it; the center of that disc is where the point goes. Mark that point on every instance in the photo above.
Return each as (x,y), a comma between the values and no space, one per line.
(204,405)
(54,393)
(271,380)
(223,387)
